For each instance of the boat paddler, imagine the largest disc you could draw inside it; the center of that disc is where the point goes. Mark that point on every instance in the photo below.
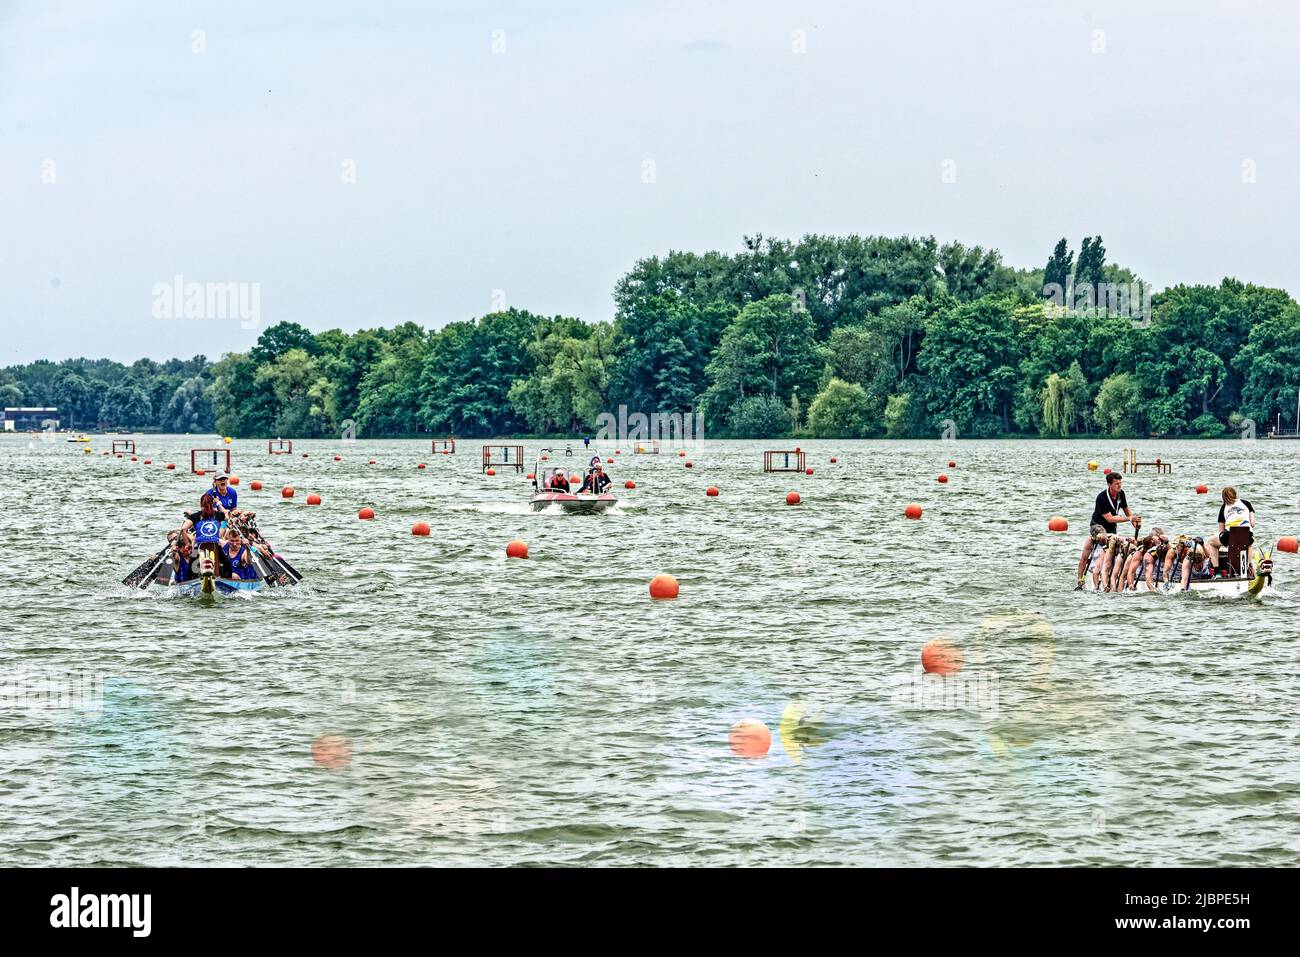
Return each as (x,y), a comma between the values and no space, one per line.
(1110,510)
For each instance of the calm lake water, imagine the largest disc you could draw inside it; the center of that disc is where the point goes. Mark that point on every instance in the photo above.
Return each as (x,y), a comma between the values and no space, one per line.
(470,709)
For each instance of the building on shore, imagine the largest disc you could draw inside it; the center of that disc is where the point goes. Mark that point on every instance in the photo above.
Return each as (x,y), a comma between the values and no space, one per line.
(17,419)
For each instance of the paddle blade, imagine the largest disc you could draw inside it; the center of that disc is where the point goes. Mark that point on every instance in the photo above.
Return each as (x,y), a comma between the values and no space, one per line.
(144,571)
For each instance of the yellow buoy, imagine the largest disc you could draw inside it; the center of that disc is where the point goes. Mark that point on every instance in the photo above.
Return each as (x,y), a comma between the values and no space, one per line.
(228,440)
(1092,466)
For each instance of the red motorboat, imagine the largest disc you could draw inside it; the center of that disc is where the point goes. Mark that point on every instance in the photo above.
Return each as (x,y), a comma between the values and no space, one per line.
(551,489)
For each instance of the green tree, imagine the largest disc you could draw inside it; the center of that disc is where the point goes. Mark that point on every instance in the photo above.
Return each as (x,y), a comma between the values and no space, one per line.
(1270,364)
(1060,266)
(189,409)
(842,410)
(767,349)
(125,406)
(75,398)
(1118,407)
(970,361)
(759,417)
(970,272)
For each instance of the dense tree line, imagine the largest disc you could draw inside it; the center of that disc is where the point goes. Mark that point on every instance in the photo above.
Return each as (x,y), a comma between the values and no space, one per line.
(825,336)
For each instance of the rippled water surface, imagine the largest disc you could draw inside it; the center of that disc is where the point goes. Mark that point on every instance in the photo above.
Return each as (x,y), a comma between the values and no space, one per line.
(467,708)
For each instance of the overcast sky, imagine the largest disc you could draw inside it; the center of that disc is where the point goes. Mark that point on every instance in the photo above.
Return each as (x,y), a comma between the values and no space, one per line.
(502,149)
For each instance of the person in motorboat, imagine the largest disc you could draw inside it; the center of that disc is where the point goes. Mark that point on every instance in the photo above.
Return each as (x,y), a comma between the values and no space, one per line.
(1235,512)
(1106,512)
(596,481)
(558,481)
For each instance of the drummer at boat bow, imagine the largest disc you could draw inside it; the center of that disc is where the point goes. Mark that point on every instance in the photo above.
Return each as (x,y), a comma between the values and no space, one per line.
(1106,512)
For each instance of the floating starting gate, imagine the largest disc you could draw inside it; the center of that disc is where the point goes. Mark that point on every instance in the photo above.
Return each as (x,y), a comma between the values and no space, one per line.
(646,448)
(783,461)
(503,456)
(447,446)
(1131,463)
(209,460)
(124,445)
(279,446)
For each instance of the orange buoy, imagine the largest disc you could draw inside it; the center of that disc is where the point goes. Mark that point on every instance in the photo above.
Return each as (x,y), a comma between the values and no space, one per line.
(366,513)
(338,458)
(1201,489)
(255,485)
(287,491)
(834,460)
(940,656)
(171,466)
(711,491)
(681,455)
(912,511)
(530,476)
(663,586)
(1105,471)
(1058,524)
(234,479)
(134,459)
(629,484)
(304,455)
(1286,543)
(575,479)
(517,549)
(491,471)
(372,461)
(609,461)
(313,499)
(750,738)
(199,472)
(420,528)
(943,480)
(952,465)
(545,457)
(690,465)
(792,498)
(809,472)
(420,466)
(148,461)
